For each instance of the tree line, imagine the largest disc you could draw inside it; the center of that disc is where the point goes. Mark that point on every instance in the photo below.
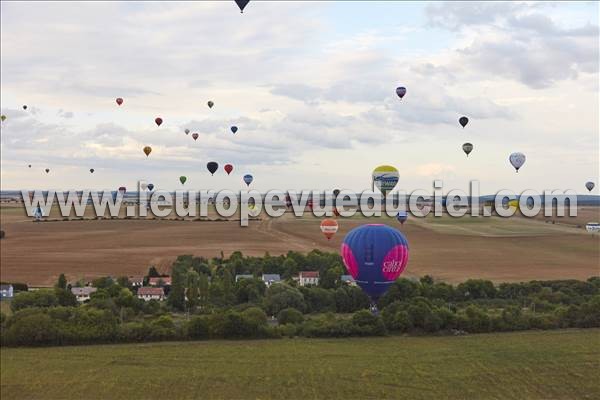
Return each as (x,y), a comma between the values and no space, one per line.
(205,302)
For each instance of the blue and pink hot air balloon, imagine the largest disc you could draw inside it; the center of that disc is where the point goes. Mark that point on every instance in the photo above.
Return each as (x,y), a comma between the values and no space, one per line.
(375,255)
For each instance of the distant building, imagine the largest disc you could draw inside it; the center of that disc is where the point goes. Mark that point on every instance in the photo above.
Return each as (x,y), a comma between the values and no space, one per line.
(136,281)
(270,279)
(348,280)
(6,292)
(243,276)
(308,278)
(83,293)
(160,281)
(147,293)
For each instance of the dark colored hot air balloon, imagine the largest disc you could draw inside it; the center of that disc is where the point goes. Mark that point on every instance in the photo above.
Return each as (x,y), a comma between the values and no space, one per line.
(248,179)
(463,121)
(25,107)
(210,104)
(150,186)
(119,101)
(212,167)
(147,150)
(187,131)
(234,129)
(402,217)
(47,170)
(375,255)
(241,4)
(91,170)
(228,168)
(29,165)
(158,121)
(590,186)
(2,117)
(182,179)
(467,148)
(122,190)
(401,91)
(195,136)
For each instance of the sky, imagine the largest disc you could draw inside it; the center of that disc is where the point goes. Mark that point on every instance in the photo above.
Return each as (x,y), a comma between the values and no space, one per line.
(311,86)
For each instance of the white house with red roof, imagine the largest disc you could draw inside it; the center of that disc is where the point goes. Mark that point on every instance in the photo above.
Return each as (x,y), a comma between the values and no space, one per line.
(306,278)
(148,293)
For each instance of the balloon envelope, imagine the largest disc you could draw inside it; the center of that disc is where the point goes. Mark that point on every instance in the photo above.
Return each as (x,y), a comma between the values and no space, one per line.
(401,91)
(463,121)
(467,148)
(147,150)
(150,186)
(402,217)
(92,170)
(248,179)
(375,255)
(195,136)
(228,168)
(241,4)
(158,121)
(234,129)
(123,189)
(29,165)
(590,185)
(3,117)
(47,170)
(24,107)
(517,160)
(385,178)
(119,101)
(182,179)
(187,131)
(210,104)
(212,167)
(329,227)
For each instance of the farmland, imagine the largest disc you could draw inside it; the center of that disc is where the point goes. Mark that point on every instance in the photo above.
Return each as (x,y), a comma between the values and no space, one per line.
(529,365)
(451,249)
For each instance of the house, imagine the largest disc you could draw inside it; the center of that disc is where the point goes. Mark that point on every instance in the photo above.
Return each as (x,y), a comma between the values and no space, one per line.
(83,293)
(348,280)
(243,276)
(136,281)
(306,278)
(160,281)
(270,279)
(147,293)
(6,292)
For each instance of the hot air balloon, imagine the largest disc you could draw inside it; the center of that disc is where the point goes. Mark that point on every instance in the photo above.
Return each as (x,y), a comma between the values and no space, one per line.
(122,190)
(212,167)
(147,150)
(25,107)
(182,179)
(29,165)
(158,121)
(248,179)
(150,186)
(91,170)
(195,136)
(187,131)
(375,255)
(119,101)
(590,186)
(329,227)
(517,160)
(463,121)
(228,168)
(3,117)
(234,129)
(241,4)
(210,104)
(402,217)
(401,91)
(47,170)
(385,177)
(143,186)
(467,148)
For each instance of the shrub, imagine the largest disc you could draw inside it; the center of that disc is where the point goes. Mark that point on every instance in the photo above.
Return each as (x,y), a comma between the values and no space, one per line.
(290,316)
(39,298)
(197,328)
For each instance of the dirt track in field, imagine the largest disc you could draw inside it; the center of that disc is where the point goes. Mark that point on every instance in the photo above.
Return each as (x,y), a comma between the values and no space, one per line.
(452,250)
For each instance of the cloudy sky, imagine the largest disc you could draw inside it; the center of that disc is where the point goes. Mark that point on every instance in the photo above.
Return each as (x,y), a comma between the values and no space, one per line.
(311,86)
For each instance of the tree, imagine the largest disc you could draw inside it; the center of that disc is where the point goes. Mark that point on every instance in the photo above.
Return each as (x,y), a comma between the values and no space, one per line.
(65,297)
(192,292)
(62,282)
(290,316)
(203,289)
(39,298)
(280,296)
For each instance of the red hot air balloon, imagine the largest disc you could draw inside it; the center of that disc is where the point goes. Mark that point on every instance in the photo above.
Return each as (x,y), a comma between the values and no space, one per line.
(158,121)
(329,227)
(228,168)
(119,101)
(195,136)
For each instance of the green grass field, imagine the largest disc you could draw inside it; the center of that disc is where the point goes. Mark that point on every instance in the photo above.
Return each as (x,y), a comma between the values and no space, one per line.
(527,365)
